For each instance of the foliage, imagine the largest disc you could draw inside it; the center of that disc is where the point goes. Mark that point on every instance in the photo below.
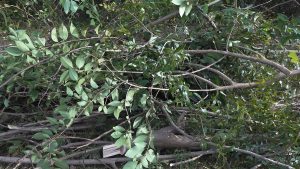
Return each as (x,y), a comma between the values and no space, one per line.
(82,58)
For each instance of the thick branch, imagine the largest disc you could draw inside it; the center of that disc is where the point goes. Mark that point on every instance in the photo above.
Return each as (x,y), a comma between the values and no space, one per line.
(5,159)
(162,105)
(245,57)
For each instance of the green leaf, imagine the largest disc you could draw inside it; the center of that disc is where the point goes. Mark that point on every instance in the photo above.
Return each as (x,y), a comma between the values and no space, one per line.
(80,62)
(181,10)
(73,30)
(82,103)
(54,35)
(67,63)
(14,51)
(144,162)
(40,136)
(52,146)
(137,122)
(52,121)
(73,6)
(69,92)
(150,155)
(118,111)
(134,152)
(73,74)
(60,163)
(12,31)
(144,100)
(63,32)
(63,76)
(178,2)
(88,67)
(44,164)
(115,103)
(72,113)
(188,9)
(116,134)
(66,6)
(129,97)
(93,84)
(294,57)
(121,141)
(6,102)
(142,130)
(84,96)
(115,94)
(22,46)
(78,89)
(42,41)
(141,139)
(119,128)
(130,165)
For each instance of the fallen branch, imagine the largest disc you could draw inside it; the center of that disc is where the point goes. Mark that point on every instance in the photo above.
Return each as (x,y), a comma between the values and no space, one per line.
(245,57)
(162,106)
(109,161)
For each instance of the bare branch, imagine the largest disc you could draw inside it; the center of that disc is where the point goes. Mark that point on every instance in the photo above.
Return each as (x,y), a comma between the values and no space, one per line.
(104,161)
(222,75)
(242,56)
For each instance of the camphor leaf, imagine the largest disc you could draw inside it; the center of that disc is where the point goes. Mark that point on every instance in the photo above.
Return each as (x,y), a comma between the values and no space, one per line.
(150,155)
(63,76)
(66,6)
(12,31)
(294,57)
(22,46)
(144,162)
(40,136)
(129,97)
(181,10)
(140,139)
(84,96)
(73,6)
(116,134)
(130,165)
(66,62)
(73,74)
(178,2)
(82,103)
(63,32)
(73,30)
(144,100)
(118,111)
(14,51)
(42,41)
(93,84)
(69,92)
(115,103)
(60,163)
(115,94)
(135,151)
(137,122)
(188,9)
(119,128)
(54,35)
(80,62)
(121,141)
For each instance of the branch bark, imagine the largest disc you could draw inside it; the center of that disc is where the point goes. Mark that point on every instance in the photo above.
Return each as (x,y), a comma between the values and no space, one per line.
(245,57)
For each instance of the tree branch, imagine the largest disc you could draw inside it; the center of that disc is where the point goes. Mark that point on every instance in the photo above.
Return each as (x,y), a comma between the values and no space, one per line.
(245,57)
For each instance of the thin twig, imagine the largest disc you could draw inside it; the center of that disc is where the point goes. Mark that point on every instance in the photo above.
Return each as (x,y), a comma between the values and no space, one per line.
(186,161)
